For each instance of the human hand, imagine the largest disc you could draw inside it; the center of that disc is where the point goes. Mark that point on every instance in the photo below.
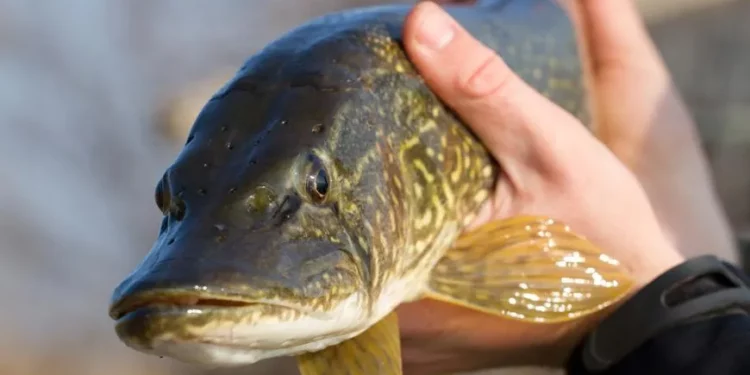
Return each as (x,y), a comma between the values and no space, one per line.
(639,114)
(552,166)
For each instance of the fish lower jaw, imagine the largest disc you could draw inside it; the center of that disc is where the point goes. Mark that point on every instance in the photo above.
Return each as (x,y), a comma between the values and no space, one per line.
(222,355)
(225,344)
(228,343)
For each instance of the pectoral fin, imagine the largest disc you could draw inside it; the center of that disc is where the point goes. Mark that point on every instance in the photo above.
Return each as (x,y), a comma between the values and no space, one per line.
(528,268)
(375,351)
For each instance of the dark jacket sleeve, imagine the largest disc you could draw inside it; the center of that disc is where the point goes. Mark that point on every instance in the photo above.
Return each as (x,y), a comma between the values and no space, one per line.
(713,346)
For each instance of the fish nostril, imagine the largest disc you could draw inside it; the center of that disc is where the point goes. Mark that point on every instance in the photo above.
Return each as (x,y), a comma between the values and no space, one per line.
(177,209)
(287,209)
(221,235)
(261,200)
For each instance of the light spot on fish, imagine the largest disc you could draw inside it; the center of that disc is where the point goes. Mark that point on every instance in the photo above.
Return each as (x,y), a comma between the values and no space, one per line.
(368,227)
(481,196)
(439,212)
(352,208)
(424,220)
(487,171)
(450,199)
(394,198)
(428,125)
(383,239)
(417,190)
(420,246)
(363,243)
(422,168)
(409,143)
(456,173)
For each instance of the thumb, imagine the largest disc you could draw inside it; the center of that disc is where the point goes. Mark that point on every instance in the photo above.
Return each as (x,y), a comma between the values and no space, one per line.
(515,122)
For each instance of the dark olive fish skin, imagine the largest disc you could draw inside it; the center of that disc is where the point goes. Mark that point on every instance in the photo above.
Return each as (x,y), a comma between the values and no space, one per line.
(325,174)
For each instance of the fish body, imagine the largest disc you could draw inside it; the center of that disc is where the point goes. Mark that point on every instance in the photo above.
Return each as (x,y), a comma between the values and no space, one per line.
(322,185)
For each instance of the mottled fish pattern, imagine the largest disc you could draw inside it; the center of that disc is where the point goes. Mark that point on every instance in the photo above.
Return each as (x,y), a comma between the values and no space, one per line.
(326,173)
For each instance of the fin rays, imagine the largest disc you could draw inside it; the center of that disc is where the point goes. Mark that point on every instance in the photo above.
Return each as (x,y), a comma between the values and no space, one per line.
(373,352)
(529,268)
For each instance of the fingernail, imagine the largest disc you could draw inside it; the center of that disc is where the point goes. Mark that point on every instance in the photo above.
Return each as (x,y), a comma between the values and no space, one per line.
(436,29)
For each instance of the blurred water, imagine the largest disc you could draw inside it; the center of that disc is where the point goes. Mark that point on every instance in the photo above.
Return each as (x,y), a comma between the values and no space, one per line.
(81,84)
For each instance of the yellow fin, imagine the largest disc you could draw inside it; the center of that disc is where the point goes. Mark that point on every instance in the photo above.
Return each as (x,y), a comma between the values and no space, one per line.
(528,268)
(375,351)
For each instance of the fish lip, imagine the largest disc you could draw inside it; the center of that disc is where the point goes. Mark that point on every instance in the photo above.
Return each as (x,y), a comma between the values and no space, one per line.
(180,301)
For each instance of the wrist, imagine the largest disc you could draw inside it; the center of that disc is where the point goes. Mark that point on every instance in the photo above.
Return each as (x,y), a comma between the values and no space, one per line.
(697,289)
(653,263)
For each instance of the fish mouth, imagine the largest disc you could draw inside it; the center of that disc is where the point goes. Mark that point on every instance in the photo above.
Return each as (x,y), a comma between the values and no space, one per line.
(173,301)
(149,320)
(228,329)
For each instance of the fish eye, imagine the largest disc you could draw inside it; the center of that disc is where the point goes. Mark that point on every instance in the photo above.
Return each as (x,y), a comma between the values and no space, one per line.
(317,185)
(317,180)
(162,196)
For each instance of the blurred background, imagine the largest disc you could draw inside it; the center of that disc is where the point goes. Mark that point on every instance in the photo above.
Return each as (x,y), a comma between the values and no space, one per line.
(95,101)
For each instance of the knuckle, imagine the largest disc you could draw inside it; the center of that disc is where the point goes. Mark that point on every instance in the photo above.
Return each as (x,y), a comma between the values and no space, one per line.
(490,76)
(618,68)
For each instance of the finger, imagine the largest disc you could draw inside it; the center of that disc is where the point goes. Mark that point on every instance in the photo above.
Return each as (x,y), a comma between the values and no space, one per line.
(511,118)
(629,81)
(617,38)
(632,87)
(641,117)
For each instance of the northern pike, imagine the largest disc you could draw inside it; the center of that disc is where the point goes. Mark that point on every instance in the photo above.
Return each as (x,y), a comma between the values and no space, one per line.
(325,184)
